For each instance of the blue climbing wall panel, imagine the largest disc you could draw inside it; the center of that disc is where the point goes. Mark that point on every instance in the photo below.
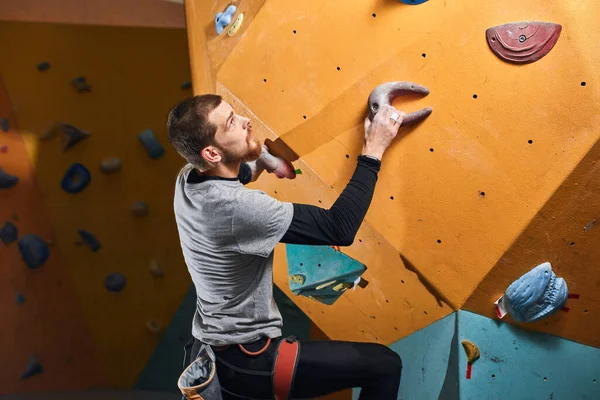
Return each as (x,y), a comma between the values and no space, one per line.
(519,364)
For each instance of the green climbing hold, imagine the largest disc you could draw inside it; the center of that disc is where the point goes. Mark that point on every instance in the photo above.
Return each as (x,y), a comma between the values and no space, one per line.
(298,171)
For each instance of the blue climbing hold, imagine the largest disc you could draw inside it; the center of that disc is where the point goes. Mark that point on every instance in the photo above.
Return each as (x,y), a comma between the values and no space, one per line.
(34,250)
(8,233)
(222,19)
(7,180)
(81,84)
(33,368)
(186,85)
(536,294)
(76,178)
(153,146)
(115,282)
(19,298)
(4,124)
(413,2)
(90,240)
(43,66)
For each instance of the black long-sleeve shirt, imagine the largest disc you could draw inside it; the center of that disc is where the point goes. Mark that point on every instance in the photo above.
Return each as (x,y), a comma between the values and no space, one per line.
(314,225)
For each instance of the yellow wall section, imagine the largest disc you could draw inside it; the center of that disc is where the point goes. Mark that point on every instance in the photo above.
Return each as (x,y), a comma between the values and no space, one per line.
(135,75)
(480,145)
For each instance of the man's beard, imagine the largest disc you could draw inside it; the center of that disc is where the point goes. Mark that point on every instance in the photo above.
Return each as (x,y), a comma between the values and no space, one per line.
(251,153)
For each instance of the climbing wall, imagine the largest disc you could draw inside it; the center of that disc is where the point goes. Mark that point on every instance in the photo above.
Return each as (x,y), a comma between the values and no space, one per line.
(499,178)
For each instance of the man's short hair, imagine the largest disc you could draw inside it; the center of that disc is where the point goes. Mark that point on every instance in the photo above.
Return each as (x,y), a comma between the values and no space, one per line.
(189,129)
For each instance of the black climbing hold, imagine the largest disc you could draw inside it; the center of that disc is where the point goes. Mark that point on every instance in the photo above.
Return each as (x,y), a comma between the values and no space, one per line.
(33,368)
(186,85)
(43,66)
(153,146)
(4,124)
(8,233)
(81,84)
(76,178)
(19,298)
(90,240)
(7,180)
(71,135)
(115,282)
(34,250)
(111,165)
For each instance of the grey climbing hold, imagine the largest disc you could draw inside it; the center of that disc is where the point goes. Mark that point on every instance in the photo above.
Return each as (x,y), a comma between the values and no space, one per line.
(111,165)
(115,282)
(139,209)
(7,180)
(89,239)
(76,178)
(153,146)
(80,83)
(19,298)
(71,135)
(33,368)
(186,85)
(4,124)
(156,270)
(8,233)
(43,66)
(34,250)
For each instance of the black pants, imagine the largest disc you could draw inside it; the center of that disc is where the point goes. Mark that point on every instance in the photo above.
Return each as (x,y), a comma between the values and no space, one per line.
(325,366)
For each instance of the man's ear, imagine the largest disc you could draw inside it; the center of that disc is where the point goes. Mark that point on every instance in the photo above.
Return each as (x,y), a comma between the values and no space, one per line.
(211,154)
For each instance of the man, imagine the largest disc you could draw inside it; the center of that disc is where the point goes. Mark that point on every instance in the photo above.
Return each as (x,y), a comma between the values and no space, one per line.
(228,233)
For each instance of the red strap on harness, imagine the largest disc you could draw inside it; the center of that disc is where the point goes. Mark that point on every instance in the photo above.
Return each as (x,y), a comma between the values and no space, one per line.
(286,360)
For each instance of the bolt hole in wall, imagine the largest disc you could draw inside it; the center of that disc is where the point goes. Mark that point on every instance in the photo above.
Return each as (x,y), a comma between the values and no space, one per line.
(530,141)
(583,83)
(474,96)
(423,55)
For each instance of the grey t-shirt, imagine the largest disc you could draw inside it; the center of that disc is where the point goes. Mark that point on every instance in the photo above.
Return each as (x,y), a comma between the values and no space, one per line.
(228,233)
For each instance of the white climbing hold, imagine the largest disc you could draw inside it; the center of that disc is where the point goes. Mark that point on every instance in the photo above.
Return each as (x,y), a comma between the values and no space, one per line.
(155,269)
(110,165)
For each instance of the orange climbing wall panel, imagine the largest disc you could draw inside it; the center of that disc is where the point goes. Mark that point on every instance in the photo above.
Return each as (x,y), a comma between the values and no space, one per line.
(455,191)
(49,324)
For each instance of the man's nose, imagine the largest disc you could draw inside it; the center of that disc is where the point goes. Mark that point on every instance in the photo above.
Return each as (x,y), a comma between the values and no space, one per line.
(245,123)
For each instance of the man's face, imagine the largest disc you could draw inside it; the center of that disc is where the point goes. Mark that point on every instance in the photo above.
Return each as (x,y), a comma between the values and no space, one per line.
(233,138)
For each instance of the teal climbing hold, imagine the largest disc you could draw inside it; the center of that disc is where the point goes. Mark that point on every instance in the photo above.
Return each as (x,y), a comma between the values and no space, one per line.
(153,146)
(413,2)
(43,66)
(7,180)
(34,250)
(4,124)
(76,178)
(71,135)
(222,19)
(90,240)
(8,233)
(115,282)
(80,83)
(19,298)
(33,368)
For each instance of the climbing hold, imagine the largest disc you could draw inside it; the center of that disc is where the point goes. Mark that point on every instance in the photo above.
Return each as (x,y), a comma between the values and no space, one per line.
(297,278)
(236,25)
(76,178)
(19,298)
(34,250)
(8,233)
(153,146)
(81,84)
(139,209)
(536,294)
(71,135)
(186,85)
(523,42)
(4,124)
(90,240)
(387,92)
(110,165)
(473,355)
(222,19)
(51,132)
(115,282)
(155,269)
(33,368)
(7,180)
(413,2)
(298,171)
(43,66)
(153,326)
(3,148)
